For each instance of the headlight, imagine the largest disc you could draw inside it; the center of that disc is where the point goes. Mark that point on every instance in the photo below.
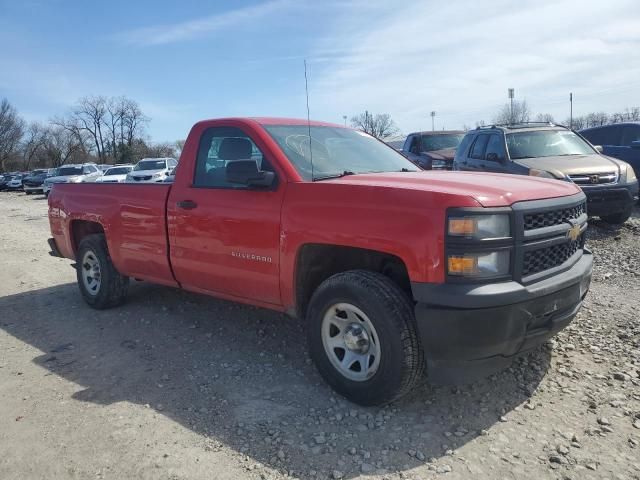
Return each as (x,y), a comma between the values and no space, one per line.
(479,227)
(630,174)
(481,264)
(74,180)
(534,172)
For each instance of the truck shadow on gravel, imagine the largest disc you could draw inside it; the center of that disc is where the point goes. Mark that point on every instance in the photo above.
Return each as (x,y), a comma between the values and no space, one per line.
(240,377)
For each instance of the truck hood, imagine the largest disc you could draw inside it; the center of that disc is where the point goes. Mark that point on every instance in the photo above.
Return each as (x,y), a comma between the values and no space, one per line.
(145,173)
(571,164)
(488,189)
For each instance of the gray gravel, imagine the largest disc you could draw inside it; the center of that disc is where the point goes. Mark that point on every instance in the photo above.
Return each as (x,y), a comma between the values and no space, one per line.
(175,386)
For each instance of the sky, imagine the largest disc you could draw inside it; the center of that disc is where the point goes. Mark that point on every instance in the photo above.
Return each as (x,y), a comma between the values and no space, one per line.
(190,60)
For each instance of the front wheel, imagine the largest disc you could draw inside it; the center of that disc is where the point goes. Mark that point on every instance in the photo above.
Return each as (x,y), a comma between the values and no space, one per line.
(362,337)
(101,285)
(617,218)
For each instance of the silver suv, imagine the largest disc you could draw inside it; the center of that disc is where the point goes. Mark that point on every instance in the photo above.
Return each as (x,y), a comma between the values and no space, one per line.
(86,172)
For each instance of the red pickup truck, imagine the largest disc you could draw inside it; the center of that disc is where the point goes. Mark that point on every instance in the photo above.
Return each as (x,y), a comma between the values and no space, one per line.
(393,269)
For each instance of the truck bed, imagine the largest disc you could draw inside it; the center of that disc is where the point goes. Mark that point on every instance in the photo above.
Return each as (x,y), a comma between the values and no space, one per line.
(134,220)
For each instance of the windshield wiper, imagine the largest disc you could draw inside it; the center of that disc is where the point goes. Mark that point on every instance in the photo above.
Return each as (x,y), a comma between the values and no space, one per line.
(345,173)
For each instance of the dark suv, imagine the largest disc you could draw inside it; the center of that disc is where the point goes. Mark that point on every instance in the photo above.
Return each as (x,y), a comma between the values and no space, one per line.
(621,141)
(553,151)
(432,150)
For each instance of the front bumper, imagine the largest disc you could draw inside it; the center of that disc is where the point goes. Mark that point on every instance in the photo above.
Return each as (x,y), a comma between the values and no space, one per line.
(611,199)
(471,331)
(32,188)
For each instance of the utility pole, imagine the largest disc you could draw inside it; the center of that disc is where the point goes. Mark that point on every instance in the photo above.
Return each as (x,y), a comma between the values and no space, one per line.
(433,121)
(344,117)
(511,100)
(571,110)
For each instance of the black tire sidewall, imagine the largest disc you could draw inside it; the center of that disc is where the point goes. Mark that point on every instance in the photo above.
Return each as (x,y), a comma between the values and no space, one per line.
(388,377)
(105,297)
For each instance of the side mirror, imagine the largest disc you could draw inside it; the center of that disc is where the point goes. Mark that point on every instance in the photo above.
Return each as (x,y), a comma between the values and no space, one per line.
(598,148)
(492,157)
(635,144)
(245,172)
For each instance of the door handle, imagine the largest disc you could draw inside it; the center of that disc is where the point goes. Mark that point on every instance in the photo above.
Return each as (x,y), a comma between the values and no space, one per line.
(187,204)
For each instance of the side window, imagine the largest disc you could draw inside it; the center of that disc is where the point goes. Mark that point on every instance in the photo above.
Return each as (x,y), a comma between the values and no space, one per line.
(630,134)
(477,151)
(87,169)
(495,149)
(219,146)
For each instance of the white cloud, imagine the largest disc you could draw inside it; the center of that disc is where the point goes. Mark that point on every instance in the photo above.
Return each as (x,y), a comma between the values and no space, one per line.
(171,33)
(459,58)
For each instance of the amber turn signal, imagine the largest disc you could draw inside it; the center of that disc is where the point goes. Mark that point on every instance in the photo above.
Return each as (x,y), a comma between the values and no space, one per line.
(459,265)
(464,226)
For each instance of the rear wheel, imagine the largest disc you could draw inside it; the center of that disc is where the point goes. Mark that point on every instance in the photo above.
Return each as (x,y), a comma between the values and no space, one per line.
(362,337)
(100,283)
(617,218)
(28,192)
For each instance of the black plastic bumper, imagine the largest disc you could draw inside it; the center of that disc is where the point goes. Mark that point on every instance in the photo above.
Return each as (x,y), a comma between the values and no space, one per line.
(610,200)
(472,331)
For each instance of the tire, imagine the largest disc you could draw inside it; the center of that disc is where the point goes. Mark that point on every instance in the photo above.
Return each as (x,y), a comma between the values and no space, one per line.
(388,310)
(27,192)
(112,287)
(617,218)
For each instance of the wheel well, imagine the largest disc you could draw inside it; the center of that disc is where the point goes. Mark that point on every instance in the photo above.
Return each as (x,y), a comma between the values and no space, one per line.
(316,263)
(82,228)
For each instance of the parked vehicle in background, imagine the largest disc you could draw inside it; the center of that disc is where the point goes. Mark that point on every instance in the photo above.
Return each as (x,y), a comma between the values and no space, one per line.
(104,167)
(433,150)
(621,141)
(474,271)
(15,182)
(117,174)
(4,180)
(171,177)
(553,151)
(86,172)
(152,170)
(32,183)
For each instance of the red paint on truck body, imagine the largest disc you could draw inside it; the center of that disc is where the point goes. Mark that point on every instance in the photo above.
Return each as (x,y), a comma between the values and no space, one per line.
(205,249)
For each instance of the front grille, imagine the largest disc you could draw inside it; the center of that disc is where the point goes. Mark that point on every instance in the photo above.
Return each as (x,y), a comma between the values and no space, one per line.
(594,178)
(147,177)
(553,217)
(537,261)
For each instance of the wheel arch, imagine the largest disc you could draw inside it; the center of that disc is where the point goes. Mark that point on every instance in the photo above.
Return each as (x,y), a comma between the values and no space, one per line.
(317,262)
(79,229)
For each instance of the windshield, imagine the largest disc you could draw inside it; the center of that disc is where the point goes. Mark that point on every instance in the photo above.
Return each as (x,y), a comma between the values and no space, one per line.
(67,171)
(151,165)
(118,171)
(546,143)
(336,151)
(38,172)
(441,142)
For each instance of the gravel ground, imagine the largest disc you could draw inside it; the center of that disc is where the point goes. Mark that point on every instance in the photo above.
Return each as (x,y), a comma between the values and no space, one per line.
(180,386)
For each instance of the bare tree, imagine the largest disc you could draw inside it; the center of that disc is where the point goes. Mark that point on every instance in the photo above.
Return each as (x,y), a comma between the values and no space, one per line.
(33,144)
(379,125)
(11,130)
(519,114)
(545,118)
(62,145)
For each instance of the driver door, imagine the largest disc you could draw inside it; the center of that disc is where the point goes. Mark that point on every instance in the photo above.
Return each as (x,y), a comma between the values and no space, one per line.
(225,237)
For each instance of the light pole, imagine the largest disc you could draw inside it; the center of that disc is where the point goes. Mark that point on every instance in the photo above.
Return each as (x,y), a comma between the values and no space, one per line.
(344,117)
(571,110)
(433,119)
(511,92)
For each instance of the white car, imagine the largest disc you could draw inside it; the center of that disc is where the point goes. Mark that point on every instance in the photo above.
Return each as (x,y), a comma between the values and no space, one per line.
(86,172)
(117,174)
(151,170)
(15,183)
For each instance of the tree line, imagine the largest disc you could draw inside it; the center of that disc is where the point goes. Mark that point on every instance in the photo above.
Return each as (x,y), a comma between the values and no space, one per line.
(105,130)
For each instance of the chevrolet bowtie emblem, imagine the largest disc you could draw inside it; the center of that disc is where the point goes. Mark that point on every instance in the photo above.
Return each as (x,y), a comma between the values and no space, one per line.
(594,178)
(574,232)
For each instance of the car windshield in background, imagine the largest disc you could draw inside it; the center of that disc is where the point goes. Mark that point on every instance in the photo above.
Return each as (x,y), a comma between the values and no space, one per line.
(336,151)
(39,172)
(441,142)
(151,165)
(546,143)
(118,171)
(66,171)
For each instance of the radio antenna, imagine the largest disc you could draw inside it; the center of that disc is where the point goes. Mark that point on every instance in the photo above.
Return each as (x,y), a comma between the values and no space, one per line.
(306,90)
